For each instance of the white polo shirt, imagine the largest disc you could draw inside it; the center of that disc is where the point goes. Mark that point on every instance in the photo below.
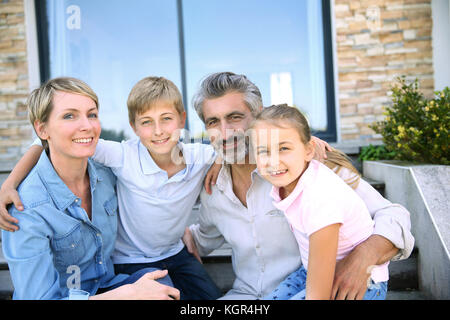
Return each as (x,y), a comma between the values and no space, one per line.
(153,210)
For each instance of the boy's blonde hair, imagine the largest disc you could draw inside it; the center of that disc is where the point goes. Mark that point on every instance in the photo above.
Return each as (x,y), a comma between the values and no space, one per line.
(336,159)
(150,90)
(40,101)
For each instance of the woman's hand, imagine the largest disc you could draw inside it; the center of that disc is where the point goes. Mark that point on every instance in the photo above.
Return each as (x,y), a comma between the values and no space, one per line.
(9,195)
(146,288)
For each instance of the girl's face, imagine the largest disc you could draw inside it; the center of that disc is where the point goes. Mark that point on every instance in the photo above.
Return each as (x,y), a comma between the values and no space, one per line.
(281,156)
(73,127)
(159,127)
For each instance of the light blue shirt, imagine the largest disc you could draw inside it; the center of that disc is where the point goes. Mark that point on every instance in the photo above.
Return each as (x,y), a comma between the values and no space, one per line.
(58,252)
(153,209)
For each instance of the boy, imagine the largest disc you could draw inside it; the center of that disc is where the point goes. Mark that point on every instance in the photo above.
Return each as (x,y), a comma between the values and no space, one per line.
(158,182)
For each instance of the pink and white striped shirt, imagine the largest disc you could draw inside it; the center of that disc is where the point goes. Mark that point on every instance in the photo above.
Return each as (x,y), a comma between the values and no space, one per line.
(321,199)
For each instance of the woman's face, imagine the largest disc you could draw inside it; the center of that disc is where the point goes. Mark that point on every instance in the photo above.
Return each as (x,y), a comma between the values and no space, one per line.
(73,128)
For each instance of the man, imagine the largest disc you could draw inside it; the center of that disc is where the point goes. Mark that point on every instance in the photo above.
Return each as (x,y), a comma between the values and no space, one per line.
(240,211)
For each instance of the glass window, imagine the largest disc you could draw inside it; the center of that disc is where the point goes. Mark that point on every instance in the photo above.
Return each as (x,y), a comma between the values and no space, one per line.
(280,45)
(277,44)
(111,45)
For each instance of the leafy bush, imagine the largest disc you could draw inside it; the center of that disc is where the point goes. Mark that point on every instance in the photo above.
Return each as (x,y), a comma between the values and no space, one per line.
(415,128)
(372,152)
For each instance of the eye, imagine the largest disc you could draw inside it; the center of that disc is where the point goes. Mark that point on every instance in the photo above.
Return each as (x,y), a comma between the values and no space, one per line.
(93,115)
(145,122)
(236,118)
(167,118)
(262,152)
(211,123)
(68,116)
(284,148)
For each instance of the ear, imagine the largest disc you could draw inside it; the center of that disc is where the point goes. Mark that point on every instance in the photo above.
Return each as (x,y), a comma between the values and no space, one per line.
(183,119)
(310,149)
(41,130)
(133,126)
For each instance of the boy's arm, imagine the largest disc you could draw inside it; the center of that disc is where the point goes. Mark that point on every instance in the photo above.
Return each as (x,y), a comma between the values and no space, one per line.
(321,262)
(8,191)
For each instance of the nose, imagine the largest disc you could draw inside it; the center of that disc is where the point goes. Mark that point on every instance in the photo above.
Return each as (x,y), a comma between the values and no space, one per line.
(85,124)
(226,131)
(157,129)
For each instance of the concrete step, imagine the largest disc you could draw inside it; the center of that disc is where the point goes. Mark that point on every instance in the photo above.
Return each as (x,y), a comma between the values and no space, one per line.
(6,286)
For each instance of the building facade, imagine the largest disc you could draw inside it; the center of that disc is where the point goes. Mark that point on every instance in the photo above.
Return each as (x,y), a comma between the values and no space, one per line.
(367,44)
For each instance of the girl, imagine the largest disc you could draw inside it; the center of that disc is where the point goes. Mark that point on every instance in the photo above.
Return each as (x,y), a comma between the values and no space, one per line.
(327,217)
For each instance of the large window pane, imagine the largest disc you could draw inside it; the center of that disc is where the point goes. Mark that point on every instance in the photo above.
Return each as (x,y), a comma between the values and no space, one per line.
(111,45)
(277,44)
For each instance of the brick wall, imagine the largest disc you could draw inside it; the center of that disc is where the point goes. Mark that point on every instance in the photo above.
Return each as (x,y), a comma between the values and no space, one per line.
(377,41)
(15,131)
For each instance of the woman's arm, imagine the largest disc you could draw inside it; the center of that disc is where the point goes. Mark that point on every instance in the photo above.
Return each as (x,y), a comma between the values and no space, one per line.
(8,191)
(321,262)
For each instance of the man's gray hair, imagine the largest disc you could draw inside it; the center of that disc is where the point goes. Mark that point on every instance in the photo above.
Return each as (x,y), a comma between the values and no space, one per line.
(218,84)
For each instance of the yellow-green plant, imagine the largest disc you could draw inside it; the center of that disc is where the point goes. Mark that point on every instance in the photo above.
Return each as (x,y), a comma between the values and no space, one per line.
(415,127)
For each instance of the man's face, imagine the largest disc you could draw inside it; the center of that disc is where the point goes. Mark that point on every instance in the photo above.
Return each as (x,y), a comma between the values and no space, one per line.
(226,120)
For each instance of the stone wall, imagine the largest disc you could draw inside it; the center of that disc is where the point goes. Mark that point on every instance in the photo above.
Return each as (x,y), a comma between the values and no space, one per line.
(377,41)
(15,131)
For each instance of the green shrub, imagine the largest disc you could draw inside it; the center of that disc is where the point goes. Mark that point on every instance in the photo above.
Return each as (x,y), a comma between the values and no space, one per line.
(415,128)
(371,152)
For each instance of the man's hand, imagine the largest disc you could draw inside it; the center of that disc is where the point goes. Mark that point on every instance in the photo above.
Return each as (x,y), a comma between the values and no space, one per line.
(8,196)
(321,148)
(190,244)
(352,273)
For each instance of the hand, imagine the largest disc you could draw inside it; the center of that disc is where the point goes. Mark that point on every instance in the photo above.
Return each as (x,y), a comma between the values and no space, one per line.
(146,288)
(8,196)
(352,275)
(321,148)
(190,244)
(211,177)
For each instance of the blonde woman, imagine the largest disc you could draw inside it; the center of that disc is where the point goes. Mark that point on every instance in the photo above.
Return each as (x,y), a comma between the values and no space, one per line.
(69,219)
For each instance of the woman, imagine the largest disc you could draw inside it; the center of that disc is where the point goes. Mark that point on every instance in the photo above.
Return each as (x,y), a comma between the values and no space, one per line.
(68,224)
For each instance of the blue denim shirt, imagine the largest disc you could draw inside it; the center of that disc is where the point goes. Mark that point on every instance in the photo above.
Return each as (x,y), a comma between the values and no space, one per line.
(57,249)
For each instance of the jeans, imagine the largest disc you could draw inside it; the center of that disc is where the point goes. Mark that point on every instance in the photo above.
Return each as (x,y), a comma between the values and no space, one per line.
(294,288)
(186,273)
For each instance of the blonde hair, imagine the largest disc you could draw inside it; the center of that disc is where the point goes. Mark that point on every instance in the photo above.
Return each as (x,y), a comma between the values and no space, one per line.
(150,90)
(283,115)
(40,101)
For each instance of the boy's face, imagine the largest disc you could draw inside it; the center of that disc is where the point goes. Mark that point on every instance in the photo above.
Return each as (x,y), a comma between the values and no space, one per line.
(159,127)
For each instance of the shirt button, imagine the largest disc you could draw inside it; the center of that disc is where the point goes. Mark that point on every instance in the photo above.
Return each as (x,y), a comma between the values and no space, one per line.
(100,262)
(98,234)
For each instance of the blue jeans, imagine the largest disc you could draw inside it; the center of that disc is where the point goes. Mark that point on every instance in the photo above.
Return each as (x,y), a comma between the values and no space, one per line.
(294,288)
(185,271)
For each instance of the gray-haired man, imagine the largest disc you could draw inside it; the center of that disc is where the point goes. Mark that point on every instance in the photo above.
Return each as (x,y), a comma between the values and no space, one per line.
(240,211)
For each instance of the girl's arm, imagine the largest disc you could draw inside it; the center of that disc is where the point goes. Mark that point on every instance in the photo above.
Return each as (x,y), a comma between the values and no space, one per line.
(8,191)
(321,262)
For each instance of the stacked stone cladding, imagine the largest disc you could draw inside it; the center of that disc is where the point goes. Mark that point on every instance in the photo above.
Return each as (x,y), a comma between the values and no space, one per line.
(378,41)
(15,130)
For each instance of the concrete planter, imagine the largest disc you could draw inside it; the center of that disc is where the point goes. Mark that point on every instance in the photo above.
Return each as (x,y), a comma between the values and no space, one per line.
(425,191)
